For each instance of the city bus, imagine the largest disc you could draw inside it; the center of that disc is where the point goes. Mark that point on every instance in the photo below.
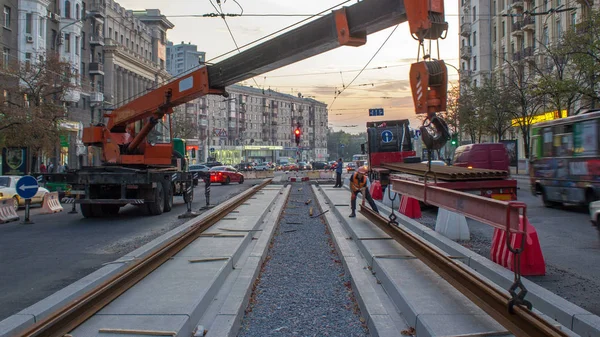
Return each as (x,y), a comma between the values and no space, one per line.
(565,160)
(360,159)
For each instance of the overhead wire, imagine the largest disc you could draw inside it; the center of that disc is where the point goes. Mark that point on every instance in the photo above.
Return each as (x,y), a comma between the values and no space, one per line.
(366,65)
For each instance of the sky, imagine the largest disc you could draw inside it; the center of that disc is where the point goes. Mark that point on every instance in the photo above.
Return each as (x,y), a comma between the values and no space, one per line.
(321,76)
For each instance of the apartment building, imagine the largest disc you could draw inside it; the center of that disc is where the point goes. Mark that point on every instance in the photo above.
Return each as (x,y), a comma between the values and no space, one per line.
(183,57)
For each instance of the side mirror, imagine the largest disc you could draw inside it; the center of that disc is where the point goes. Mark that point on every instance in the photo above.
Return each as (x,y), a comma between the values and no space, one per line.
(362,148)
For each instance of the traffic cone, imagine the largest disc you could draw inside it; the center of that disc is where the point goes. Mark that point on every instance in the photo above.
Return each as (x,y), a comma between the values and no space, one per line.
(410,207)
(532,258)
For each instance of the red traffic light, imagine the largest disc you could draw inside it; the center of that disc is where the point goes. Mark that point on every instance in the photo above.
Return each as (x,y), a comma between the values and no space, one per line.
(297,132)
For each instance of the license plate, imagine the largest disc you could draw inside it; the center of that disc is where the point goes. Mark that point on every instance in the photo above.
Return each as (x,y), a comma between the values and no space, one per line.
(503,197)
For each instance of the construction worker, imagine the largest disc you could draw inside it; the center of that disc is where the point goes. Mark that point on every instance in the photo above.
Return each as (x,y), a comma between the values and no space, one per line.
(358,184)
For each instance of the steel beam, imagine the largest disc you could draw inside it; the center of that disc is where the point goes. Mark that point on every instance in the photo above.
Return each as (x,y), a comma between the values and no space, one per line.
(522,323)
(313,38)
(496,213)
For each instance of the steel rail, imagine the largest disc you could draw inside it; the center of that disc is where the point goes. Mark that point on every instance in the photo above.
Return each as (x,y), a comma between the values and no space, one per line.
(522,323)
(79,310)
(447,172)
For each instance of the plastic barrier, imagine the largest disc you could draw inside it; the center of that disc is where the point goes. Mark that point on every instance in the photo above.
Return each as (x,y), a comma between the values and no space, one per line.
(532,259)
(327,175)
(51,204)
(7,211)
(452,225)
(410,207)
(376,191)
(314,174)
(249,175)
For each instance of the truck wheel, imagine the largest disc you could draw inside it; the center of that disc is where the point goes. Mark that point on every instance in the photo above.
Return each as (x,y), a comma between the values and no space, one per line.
(110,210)
(86,210)
(158,205)
(169,196)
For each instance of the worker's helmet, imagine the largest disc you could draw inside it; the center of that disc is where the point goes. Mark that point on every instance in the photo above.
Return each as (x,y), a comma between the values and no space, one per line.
(362,170)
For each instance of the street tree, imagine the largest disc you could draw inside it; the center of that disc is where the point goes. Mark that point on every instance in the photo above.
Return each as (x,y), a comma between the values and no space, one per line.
(468,113)
(33,96)
(494,107)
(185,126)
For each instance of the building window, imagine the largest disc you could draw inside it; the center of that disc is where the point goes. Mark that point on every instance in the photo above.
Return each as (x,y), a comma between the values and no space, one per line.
(28,23)
(474,13)
(127,42)
(545,36)
(27,60)
(5,57)
(54,37)
(573,19)
(67,43)
(494,8)
(76,45)
(474,39)
(83,10)
(83,40)
(558,29)
(503,28)
(67,9)
(110,32)
(77,12)
(494,33)
(6,17)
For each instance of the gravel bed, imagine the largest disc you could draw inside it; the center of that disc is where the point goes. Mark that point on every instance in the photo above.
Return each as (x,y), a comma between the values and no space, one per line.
(574,288)
(302,289)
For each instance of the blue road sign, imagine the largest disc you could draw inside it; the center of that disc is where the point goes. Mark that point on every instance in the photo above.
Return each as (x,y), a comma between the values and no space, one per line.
(417,134)
(376,112)
(387,136)
(212,149)
(27,187)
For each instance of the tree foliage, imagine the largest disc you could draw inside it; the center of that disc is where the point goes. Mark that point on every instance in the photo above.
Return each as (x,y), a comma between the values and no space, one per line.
(494,107)
(185,126)
(351,144)
(32,102)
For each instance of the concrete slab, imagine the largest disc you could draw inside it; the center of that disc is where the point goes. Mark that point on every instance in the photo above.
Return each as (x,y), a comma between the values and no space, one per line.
(14,324)
(176,323)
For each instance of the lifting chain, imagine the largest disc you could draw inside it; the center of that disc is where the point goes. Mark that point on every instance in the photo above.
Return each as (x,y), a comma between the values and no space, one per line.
(517,290)
(392,216)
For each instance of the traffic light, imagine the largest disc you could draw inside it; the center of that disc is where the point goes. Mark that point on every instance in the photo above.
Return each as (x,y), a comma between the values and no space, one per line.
(454,140)
(297,134)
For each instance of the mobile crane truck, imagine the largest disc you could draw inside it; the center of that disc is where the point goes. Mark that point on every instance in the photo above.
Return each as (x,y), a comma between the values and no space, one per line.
(139,163)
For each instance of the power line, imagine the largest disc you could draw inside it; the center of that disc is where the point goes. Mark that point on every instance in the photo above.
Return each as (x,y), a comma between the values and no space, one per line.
(366,65)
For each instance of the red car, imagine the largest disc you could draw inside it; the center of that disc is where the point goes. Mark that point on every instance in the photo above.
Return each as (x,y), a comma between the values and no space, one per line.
(225,175)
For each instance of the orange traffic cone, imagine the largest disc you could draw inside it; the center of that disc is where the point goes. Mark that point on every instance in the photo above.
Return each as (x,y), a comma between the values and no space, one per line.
(410,207)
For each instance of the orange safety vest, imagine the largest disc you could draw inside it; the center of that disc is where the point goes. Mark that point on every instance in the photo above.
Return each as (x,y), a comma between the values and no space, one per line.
(356,184)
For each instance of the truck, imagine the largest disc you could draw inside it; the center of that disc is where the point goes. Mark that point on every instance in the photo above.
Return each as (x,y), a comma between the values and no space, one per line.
(390,150)
(140,161)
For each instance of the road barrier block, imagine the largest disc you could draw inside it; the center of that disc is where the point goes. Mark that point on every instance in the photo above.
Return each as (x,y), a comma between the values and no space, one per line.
(7,211)
(452,225)
(532,258)
(51,204)
(376,190)
(327,175)
(313,174)
(410,207)
(249,175)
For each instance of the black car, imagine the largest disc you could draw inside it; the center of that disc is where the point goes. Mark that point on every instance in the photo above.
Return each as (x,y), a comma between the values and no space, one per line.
(213,163)
(320,165)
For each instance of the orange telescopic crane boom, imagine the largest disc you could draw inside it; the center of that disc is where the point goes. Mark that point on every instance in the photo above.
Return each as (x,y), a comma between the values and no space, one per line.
(349,26)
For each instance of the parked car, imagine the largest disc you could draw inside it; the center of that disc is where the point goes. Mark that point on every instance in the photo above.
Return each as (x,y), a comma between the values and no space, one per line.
(493,156)
(291,167)
(225,175)
(198,168)
(245,166)
(263,167)
(302,165)
(8,190)
(320,165)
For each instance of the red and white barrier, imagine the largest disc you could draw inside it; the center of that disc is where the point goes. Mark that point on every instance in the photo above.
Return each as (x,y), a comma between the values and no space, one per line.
(51,204)
(7,211)
(376,190)
(532,259)
(410,207)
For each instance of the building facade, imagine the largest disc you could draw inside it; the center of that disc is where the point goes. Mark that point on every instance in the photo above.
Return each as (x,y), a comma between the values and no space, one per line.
(183,57)
(498,32)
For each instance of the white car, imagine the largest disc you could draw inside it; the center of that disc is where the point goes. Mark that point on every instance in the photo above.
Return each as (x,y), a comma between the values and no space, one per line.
(595,212)
(262,167)
(435,163)
(8,191)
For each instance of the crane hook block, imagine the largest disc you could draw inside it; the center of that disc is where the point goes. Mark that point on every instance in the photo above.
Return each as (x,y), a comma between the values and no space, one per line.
(429,85)
(426,19)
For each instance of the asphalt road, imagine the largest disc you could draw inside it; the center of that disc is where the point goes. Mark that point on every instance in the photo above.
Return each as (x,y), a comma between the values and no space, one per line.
(40,259)
(570,244)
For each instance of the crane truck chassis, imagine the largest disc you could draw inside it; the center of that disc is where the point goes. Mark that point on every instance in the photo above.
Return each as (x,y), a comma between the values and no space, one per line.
(138,171)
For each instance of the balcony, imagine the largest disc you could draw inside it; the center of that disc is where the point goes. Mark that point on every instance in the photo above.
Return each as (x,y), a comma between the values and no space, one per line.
(97,40)
(97,9)
(517,28)
(96,97)
(528,52)
(517,4)
(96,68)
(465,74)
(465,29)
(465,52)
(529,23)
